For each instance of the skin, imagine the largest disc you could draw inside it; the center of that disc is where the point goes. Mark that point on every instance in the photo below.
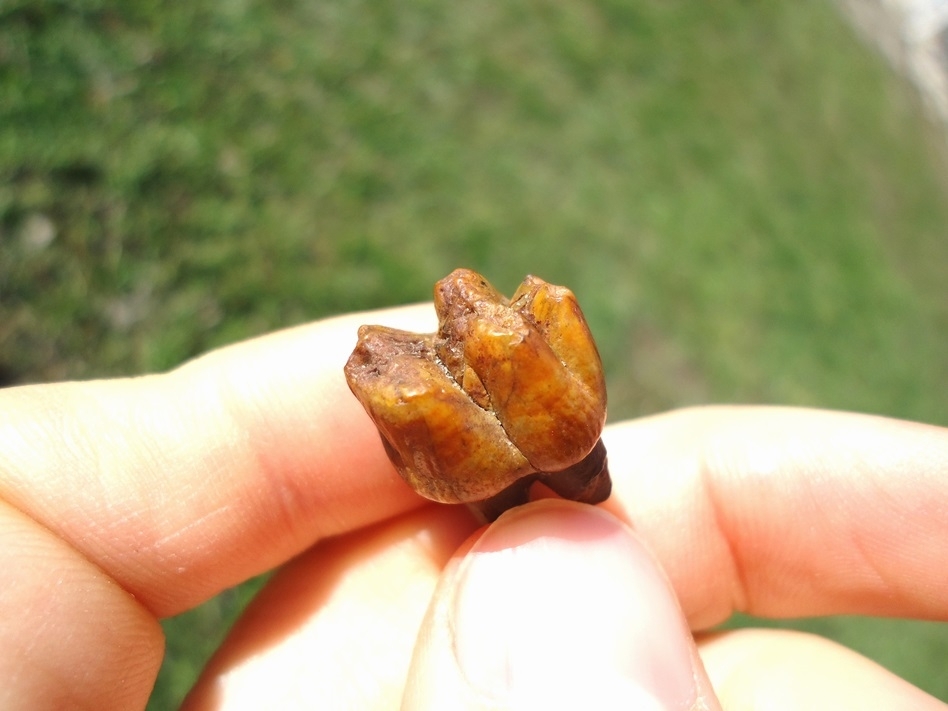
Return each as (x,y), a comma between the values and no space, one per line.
(122,502)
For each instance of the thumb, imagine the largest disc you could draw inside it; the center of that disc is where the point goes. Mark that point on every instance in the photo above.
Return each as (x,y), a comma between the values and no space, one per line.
(556,605)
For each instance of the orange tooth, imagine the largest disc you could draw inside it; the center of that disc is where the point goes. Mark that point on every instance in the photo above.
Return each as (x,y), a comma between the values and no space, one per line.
(505,393)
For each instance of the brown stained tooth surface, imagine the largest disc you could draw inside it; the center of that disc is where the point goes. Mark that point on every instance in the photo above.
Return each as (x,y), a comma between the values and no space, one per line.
(445,446)
(504,391)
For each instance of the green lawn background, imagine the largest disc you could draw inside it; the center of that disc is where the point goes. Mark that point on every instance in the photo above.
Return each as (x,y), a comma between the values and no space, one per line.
(749,204)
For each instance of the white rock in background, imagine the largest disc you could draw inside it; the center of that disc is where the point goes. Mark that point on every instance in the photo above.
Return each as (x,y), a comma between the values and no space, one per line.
(913,35)
(37,232)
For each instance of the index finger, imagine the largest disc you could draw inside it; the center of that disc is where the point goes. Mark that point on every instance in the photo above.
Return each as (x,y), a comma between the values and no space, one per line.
(785,512)
(182,484)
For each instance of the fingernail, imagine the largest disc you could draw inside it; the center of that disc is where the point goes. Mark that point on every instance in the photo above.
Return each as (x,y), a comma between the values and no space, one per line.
(561,600)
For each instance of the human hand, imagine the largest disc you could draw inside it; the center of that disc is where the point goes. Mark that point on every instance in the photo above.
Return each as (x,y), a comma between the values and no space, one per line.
(125,501)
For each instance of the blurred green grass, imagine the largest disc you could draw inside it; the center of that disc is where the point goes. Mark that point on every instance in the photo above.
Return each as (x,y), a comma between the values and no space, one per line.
(750,206)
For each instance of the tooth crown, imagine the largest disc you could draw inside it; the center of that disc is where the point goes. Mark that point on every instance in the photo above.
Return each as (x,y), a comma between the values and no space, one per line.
(503,391)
